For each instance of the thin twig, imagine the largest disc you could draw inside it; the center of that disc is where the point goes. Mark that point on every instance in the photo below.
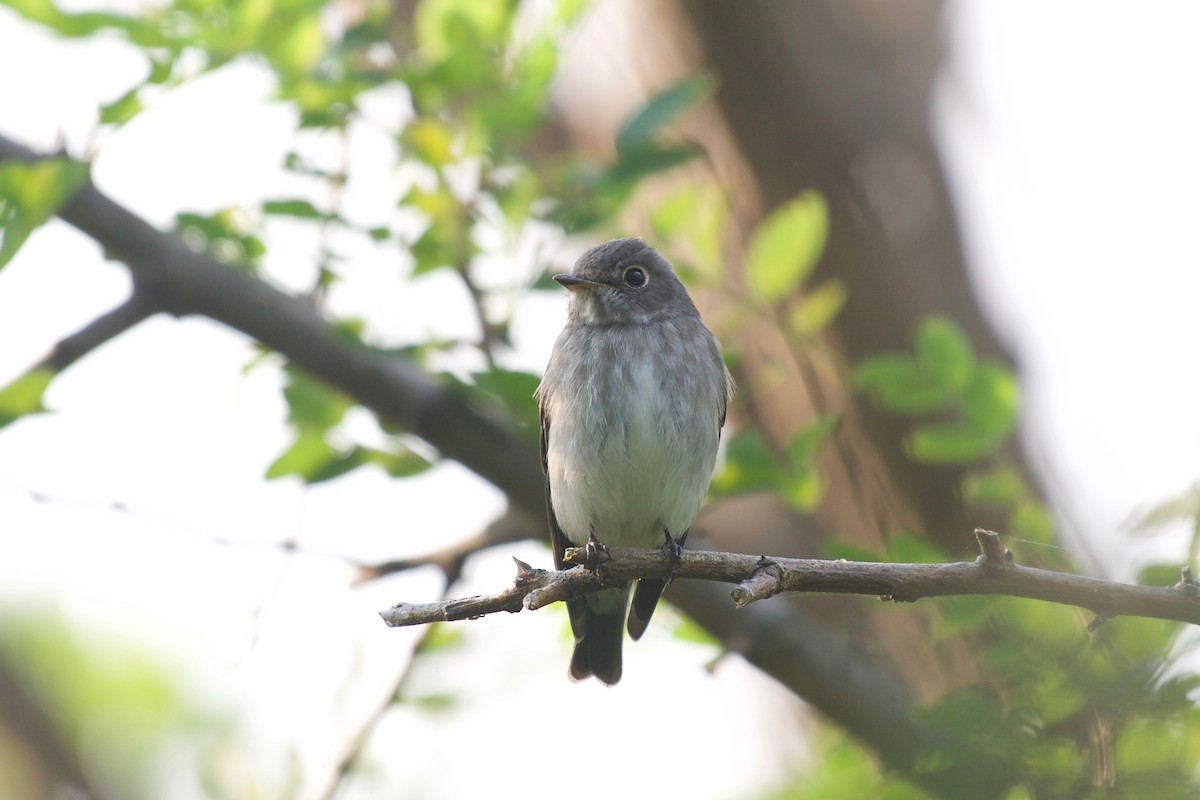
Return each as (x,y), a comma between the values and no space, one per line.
(759,577)
(103,328)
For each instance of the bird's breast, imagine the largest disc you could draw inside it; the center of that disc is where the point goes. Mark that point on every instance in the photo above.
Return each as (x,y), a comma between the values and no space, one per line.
(631,448)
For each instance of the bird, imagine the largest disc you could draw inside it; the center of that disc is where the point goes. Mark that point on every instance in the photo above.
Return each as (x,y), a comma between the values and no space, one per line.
(631,407)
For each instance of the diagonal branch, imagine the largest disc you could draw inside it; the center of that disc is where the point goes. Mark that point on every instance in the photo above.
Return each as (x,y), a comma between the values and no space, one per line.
(759,577)
(171,278)
(103,328)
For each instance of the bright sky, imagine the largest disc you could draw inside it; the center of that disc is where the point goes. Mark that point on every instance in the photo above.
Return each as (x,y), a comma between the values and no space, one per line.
(1072,138)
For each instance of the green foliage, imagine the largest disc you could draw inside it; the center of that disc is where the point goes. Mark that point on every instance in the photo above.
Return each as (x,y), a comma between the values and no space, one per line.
(784,249)
(478,84)
(30,194)
(24,395)
(643,130)
(322,449)
(977,401)
(751,466)
(228,236)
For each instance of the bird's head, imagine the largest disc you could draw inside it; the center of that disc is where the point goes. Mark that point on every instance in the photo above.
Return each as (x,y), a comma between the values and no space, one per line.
(624,281)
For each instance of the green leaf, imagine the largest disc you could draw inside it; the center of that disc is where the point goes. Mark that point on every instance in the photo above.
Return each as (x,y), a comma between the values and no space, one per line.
(308,455)
(749,466)
(806,445)
(1032,521)
(943,350)
(24,395)
(785,247)
(908,548)
(645,125)
(633,165)
(1001,487)
(901,385)
(991,401)
(399,462)
(948,443)
(440,636)
(514,389)
(1159,575)
(803,489)
(301,209)
(818,307)
(123,109)
(686,630)
(312,404)
(30,193)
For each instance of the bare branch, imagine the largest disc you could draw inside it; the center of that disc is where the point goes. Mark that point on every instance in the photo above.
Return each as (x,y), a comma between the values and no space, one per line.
(513,525)
(759,577)
(107,326)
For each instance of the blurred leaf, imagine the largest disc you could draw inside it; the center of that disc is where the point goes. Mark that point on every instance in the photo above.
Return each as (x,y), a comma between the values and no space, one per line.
(1160,575)
(646,124)
(1183,507)
(689,631)
(431,140)
(441,636)
(948,443)
(958,615)
(301,209)
(515,390)
(901,385)
(807,443)
(633,165)
(308,455)
(817,308)
(399,462)
(439,703)
(991,401)
(749,466)
(24,395)
(908,548)
(226,235)
(803,488)
(312,404)
(123,109)
(1001,486)
(785,247)
(1150,744)
(694,215)
(1033,521)
(849,551)
(30,193)
(945,353)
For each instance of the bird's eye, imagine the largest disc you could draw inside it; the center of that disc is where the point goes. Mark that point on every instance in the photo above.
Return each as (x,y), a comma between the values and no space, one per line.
(636,277)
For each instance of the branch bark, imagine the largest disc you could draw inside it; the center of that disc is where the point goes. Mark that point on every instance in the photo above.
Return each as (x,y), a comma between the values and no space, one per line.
(759,577)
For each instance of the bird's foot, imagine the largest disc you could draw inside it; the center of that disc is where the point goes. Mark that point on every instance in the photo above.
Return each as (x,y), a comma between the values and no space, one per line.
(596,553)
(673,551)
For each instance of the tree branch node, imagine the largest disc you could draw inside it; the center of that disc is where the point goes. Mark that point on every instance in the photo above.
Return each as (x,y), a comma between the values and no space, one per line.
(993,553)
(766,581)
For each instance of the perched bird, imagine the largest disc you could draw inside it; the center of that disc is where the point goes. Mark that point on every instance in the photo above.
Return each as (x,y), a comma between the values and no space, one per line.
(632,406)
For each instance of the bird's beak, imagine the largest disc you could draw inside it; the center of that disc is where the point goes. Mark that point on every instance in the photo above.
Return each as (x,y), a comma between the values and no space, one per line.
(574,283)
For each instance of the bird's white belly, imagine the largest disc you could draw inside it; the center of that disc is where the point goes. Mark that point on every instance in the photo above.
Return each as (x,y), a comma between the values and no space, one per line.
(632,465)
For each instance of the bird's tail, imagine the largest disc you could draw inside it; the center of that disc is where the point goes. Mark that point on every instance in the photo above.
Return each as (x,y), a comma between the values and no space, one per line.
(598,621)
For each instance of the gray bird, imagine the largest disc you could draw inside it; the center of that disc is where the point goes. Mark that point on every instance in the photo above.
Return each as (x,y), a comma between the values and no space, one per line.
(632,406)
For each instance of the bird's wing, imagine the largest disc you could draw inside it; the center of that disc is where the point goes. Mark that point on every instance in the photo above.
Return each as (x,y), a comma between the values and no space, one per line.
(558,541)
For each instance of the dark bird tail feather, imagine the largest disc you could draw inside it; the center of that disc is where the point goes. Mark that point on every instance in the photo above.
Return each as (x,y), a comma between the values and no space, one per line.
(599,625)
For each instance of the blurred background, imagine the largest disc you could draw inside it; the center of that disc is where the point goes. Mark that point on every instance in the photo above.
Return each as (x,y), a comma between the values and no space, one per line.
(950,250)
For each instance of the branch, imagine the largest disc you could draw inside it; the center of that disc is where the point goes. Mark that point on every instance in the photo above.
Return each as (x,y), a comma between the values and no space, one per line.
(759,577)
(171,278)
(108,325)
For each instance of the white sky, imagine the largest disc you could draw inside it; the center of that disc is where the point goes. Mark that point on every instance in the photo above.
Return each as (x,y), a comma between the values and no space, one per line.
(1071,132)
